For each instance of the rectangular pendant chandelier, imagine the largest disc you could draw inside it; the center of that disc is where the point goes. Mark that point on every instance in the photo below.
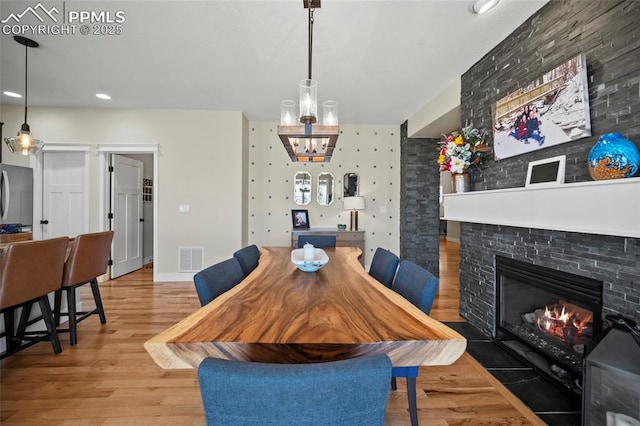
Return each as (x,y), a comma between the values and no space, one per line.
(303,138)
(309,143)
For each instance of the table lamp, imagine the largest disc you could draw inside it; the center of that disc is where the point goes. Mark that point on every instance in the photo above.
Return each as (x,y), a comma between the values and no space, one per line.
(354,204)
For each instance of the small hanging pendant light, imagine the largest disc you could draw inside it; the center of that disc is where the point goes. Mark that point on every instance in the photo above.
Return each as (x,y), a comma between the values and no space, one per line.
(24,142)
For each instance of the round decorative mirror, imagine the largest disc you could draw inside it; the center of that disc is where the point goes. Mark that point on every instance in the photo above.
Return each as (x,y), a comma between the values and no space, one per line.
(350,183)
(325,189)
(302,188)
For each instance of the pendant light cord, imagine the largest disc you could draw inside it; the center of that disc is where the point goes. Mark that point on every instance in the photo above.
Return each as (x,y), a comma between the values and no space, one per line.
(311,10)
(26,80)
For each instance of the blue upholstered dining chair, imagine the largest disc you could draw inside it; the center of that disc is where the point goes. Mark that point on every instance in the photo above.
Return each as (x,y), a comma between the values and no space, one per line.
(383,266)
(211,282)
(349,392)
(419,287)
(248,258)
(319,241)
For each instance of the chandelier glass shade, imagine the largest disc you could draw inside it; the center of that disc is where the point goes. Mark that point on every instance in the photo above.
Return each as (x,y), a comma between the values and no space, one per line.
(24,143)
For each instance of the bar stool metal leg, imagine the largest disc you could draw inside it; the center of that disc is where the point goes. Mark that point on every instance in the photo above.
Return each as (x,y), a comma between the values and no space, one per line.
(73,319)
(96,296)
(10,329)
(47,315)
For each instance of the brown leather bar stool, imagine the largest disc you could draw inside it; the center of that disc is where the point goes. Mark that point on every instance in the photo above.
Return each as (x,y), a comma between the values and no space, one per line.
(88,259)
(29,271)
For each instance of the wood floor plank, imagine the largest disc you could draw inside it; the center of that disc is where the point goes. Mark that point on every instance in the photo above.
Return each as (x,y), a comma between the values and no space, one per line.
(109,379)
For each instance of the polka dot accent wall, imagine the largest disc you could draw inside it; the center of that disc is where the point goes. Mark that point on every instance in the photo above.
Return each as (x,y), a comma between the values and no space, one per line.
(372,152)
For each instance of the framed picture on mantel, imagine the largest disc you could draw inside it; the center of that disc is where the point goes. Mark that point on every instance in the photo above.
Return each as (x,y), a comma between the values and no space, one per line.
(551,110)
(300,219)
(547,172)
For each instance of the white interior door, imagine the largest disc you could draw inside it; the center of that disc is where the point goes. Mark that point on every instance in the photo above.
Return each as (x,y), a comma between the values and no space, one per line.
(126,209)
(64,195)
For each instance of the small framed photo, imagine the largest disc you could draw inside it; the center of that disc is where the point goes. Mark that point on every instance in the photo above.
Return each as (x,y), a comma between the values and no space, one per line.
(547,172)
(300,219)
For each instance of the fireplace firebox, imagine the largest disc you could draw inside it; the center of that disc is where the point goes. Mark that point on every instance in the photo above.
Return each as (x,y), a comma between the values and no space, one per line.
(548,318)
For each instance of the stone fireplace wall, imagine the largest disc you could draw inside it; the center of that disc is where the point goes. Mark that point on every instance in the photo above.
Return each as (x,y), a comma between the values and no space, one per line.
(608,34)
(419,208)
(613,260)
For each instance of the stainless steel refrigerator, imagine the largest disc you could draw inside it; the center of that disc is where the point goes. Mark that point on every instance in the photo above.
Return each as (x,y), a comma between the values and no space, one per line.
(16,197)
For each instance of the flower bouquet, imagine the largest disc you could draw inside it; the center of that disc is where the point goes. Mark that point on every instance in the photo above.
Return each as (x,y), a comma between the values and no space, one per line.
(459,150)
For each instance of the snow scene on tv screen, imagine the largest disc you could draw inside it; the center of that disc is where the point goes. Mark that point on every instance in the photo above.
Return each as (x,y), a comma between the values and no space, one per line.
(551,110)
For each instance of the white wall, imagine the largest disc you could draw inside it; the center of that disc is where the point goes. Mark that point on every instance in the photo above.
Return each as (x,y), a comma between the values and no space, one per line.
(439,116)
(200,164)
(373,152)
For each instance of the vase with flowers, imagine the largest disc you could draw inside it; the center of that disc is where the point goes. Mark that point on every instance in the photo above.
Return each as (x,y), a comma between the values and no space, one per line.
(458,151)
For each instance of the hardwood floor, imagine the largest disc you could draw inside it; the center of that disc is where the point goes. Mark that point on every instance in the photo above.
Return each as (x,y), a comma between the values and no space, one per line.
(109,379)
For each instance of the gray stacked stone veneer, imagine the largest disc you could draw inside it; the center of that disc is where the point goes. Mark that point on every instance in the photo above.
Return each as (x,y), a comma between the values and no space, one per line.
(607,32)
(419,208)
(613,260)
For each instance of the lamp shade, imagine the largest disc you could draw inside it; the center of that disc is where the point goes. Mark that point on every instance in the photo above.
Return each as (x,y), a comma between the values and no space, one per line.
(354,203)
(308,101)
(330,113)
(288,116)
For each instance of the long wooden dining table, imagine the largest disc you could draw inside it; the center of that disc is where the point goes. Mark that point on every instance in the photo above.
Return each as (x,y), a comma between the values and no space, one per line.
(280,314)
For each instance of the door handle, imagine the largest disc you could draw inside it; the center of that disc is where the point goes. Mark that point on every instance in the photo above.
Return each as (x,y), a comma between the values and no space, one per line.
(141,220)
(44,222)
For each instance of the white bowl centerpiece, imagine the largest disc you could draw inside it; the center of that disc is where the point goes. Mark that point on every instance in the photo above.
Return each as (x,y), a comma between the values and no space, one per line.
(309,258)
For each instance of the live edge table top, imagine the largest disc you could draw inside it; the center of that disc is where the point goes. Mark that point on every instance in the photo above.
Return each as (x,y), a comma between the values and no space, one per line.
(279,314)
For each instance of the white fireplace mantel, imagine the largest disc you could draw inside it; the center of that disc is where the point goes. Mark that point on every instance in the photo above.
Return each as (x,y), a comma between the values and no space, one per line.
(606,207)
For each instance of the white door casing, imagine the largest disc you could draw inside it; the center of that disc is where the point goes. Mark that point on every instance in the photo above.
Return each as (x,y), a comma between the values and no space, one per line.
(126,207)
(104,154)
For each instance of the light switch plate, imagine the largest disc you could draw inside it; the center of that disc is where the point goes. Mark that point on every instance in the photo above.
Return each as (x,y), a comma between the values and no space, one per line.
(184,208)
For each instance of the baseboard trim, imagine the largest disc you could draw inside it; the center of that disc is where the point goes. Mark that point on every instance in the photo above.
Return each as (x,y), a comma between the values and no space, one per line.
(173,276)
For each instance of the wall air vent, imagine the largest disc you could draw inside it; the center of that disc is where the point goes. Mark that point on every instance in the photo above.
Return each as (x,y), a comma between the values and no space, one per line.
(190,259)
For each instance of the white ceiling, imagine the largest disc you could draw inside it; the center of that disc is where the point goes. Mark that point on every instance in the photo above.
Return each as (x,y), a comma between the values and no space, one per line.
(381,60)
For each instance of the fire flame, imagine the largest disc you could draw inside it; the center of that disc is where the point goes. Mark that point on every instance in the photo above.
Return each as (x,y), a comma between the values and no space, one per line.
(564,323)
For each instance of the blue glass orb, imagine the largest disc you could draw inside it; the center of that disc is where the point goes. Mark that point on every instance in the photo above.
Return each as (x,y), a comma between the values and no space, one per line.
(613,157)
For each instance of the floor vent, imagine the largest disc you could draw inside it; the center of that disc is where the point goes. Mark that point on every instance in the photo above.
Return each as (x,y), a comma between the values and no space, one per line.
(190,259)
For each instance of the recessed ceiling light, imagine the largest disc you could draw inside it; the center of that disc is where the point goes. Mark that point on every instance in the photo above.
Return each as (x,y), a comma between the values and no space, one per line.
(481,6)
(103,96)
(12,94)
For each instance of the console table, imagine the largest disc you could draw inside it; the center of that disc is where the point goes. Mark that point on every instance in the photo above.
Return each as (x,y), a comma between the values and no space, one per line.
(344,238)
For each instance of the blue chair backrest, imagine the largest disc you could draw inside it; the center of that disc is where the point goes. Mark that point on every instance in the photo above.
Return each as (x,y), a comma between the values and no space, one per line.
(319,241)
(216,279)
(416,284)
(248,258)
(383,266)
(349,392)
